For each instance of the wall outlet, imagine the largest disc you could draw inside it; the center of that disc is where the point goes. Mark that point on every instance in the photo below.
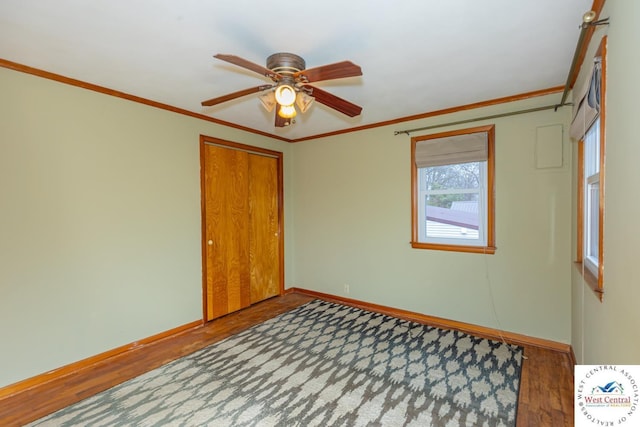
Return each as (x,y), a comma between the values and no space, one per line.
(346,289)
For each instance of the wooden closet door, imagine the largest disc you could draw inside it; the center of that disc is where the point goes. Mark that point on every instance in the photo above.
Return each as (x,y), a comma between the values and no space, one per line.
(264,241)
(226,222)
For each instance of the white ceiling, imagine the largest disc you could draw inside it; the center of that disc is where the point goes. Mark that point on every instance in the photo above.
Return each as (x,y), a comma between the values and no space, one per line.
(417,56)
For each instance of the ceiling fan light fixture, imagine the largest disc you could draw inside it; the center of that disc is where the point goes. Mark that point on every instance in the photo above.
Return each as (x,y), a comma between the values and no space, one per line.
(268,100)
(289,77)
(287,111)
(304,101)
(285,94)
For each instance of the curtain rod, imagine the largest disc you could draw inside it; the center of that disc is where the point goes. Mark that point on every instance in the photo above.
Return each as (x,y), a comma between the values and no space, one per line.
(587,21)
(493,116)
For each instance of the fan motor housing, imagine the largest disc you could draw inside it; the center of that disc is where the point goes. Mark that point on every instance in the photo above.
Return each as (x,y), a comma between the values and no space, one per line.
(285,63)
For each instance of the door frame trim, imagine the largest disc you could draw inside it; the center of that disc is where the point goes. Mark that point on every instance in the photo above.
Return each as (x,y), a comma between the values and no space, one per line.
(209,140)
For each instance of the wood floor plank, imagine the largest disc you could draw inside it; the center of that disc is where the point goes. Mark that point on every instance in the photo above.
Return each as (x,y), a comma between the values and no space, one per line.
(546,390)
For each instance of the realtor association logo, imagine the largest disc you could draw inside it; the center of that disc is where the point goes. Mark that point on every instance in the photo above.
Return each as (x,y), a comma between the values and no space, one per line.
(607,395)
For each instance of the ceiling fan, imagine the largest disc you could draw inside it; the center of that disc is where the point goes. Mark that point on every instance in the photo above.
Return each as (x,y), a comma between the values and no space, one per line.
(292,85)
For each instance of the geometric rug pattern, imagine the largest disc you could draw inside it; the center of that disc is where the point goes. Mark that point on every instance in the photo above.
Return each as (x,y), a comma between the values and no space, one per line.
(321,364)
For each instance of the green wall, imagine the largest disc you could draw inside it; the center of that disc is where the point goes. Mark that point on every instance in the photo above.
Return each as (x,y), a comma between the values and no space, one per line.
(99,222)
(352,206)
(607,332)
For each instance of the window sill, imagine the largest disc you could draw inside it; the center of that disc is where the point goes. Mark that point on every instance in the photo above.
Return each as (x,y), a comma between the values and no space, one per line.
(589,279)
(489,250)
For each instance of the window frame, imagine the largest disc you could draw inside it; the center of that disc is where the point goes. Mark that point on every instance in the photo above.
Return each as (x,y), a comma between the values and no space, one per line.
(594,279)
(489,196)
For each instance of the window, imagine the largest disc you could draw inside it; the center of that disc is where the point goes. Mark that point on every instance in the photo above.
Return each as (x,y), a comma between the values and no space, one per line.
(592,197)
(588,128)
(452,190)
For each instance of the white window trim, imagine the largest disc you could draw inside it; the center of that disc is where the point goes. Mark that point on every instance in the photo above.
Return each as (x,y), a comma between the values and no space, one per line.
(482,211)
(591,262)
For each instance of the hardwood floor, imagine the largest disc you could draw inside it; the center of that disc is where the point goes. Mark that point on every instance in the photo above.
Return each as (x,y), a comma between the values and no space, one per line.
(546,390)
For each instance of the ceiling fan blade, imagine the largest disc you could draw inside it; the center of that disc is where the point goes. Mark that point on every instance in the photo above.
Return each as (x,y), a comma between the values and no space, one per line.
(234,95)
(328,72)
(236,60)
(335,102)
(281,121)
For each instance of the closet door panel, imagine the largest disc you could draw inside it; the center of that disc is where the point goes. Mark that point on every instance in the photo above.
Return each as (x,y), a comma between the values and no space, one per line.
(264,241)
(227,230)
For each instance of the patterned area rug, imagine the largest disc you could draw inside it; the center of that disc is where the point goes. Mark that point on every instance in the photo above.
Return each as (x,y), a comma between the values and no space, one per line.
(321,364)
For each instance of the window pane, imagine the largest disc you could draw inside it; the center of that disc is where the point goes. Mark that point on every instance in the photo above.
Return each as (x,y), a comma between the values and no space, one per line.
(592,149)
(592,195)
(592,226)
(452,202)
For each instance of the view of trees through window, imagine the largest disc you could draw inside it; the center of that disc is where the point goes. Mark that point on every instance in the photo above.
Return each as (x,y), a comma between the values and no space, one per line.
(461,176)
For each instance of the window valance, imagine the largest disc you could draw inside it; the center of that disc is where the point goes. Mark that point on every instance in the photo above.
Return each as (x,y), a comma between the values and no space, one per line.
(587,109)
(450,150)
